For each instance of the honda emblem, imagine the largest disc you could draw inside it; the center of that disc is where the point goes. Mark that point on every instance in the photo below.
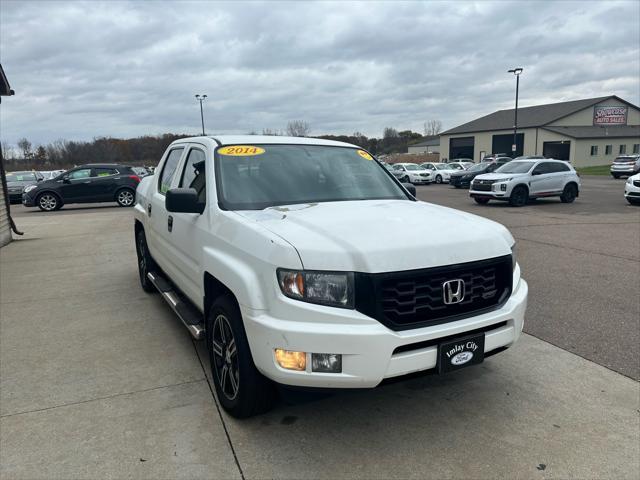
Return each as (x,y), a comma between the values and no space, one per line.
(453,291)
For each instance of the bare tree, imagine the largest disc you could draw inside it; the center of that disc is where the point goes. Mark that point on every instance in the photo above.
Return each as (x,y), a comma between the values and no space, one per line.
(7,151)
(432,127)
(269,132)
(298,128)
(25,146)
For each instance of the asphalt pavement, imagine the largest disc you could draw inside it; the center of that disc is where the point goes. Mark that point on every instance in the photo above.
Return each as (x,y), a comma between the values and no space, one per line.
(100,380)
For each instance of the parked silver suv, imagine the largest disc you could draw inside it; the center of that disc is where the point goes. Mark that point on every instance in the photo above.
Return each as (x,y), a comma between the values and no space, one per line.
(625,165)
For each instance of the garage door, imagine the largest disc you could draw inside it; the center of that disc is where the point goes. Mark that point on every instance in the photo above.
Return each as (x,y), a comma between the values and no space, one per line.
(503,143)
(461,147)
(557,150)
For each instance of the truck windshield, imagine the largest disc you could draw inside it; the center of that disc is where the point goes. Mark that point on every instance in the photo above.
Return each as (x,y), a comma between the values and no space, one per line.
(260,176)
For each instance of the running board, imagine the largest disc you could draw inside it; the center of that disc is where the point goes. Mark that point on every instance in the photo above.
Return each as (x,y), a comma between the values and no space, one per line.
(188,315)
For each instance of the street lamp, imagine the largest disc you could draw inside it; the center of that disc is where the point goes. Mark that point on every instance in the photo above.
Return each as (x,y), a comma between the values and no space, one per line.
(516,71)
(201,98)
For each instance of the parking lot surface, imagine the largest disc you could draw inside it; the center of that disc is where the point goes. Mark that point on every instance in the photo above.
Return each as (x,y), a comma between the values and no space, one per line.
(99,379)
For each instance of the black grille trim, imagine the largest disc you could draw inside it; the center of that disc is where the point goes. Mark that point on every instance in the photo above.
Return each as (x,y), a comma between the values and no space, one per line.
(413,298)
(636,183)
(437,341)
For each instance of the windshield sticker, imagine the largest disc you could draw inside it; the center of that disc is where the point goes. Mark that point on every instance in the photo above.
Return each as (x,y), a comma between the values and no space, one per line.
(241,151)
(365,155)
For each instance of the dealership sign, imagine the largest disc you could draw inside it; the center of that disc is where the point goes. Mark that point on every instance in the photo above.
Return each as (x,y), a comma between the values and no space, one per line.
(609,115)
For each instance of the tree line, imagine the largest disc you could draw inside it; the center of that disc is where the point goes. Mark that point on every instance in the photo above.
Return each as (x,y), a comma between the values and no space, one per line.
(147,150)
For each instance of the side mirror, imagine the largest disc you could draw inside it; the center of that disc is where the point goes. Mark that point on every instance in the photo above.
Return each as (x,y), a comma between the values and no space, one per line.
(183,200)
(66,180)
(40,179)
(410,188)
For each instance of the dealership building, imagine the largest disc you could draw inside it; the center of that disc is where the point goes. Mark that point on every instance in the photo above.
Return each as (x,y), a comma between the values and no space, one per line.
(585,132)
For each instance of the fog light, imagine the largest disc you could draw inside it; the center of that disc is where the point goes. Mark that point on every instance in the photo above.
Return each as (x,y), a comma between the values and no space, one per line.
(291,360)
(326,362)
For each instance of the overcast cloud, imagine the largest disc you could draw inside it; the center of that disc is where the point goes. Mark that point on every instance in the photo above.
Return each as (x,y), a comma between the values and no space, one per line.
(126,69)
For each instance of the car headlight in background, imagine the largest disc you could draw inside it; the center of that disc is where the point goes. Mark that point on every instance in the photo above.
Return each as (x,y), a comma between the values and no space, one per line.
(28,188)
(514,260)
(629,181)
(325,288)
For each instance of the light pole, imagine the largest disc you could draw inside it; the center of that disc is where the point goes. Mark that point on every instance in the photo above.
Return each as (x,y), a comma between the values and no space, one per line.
(201,98)
(516,71)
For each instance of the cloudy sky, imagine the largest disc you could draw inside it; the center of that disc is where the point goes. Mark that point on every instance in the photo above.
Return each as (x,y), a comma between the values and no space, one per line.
(125,69)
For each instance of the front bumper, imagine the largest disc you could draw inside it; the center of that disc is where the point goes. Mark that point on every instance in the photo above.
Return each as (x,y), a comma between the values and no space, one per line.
(367,346)
(420,180)
(28,200)
(631,191)
(624,170)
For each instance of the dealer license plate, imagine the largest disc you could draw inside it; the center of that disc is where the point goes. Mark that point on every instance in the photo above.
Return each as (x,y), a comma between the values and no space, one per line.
(460,352)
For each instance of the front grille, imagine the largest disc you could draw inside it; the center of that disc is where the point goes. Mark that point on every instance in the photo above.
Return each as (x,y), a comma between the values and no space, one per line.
(636,183)
(414,298)
(483,185)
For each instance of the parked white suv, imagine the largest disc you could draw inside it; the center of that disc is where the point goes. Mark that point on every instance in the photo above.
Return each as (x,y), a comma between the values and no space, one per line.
(625,165)
(521,180)
(632,189)
(291,258)
(412,173)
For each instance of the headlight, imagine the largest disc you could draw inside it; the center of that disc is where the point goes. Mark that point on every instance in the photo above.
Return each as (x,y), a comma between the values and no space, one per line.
(513,256)
(325,288)
(629,181)
(28,188)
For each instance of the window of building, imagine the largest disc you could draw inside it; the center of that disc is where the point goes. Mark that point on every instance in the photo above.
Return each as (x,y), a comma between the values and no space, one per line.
(636,148)
(623,149)
(169,169)
(594,150)
(608,149)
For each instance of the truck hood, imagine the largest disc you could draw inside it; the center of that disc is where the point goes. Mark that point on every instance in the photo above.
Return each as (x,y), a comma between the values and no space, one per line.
(383,235)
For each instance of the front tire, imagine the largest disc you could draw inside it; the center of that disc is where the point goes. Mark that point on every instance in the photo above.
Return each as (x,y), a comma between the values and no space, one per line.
(240,388)
(438,179)
(519,196)
(481,201)
(569,193)
(48,202)
(145,262)
(633,201)
(405,179)
(126,197)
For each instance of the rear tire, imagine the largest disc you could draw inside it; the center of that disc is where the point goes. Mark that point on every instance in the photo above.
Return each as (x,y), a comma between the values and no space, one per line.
(126,197)
(405,179)
(569,193)
(145,262)
(519,196)
(48,202)
(481,201)
(240,388)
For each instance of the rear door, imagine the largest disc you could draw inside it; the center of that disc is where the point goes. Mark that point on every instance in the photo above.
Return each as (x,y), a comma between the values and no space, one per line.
(190,228)
(159,240)
(104,183)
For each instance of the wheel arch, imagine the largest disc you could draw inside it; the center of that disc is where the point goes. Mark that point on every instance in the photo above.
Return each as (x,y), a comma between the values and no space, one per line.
(214,288)
(52,192)
(575,184)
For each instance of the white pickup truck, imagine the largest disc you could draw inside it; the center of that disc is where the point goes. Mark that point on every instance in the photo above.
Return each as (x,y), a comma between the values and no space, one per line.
(304,262)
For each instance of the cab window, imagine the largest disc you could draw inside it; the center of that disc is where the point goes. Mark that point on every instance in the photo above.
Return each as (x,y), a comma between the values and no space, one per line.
(193,175)
(169,170)
(77,174)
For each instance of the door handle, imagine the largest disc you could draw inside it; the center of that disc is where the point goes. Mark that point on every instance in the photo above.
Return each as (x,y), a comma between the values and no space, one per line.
(170,223)
(88,181)
(149,209)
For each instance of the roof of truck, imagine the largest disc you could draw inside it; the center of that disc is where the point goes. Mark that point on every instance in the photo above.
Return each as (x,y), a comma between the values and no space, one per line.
(268,139)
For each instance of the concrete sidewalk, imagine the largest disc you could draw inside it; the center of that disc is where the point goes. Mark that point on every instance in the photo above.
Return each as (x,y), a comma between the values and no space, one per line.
(99,380)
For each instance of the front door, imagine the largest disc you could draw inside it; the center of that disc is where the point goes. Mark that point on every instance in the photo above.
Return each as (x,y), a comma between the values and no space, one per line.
(190,228)
(76,185)
(542,180)
(160,220)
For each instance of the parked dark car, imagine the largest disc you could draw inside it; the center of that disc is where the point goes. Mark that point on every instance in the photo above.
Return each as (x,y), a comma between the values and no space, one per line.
(463,179)
(496,157)
(17,181)
(105,182)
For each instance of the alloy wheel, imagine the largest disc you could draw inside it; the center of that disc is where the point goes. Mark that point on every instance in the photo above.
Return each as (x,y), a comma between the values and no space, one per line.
(225,356)
(48,202)
(125,198)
